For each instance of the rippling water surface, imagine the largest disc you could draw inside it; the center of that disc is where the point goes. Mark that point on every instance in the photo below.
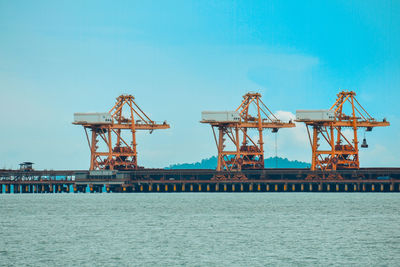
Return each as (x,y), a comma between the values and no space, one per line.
(200,229)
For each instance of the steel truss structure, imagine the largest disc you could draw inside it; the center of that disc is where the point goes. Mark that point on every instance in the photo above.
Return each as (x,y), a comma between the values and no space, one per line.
(120,151)
(247,153)
(342,152)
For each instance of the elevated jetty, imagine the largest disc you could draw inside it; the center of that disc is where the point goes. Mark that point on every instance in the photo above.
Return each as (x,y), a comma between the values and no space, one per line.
(197,180)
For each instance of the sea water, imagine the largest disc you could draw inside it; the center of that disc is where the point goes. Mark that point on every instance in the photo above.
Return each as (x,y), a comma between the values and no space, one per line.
(200,229)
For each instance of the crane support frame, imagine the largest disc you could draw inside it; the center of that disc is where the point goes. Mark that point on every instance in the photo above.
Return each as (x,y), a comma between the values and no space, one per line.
(247,153)
(119,152)
(342,151)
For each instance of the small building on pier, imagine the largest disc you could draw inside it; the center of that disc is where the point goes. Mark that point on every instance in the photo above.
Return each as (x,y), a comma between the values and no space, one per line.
(26,166)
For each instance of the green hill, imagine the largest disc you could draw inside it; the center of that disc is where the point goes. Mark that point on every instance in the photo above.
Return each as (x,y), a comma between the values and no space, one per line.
(272,162)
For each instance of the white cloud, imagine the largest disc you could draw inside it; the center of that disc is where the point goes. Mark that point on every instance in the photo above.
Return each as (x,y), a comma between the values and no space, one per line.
(292,143)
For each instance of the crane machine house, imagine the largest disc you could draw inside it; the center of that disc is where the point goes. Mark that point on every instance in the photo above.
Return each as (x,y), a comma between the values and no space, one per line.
(315,115)
(220,116)
(93,118)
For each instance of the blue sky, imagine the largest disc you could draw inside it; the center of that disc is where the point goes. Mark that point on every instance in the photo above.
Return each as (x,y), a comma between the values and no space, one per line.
(181,57)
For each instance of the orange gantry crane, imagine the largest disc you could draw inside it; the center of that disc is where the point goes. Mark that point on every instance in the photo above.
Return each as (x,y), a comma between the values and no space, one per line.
(113,135)
(244,152)
(339,148)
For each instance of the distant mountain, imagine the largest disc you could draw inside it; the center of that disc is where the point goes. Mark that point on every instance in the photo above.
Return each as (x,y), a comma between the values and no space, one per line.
(272,162)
